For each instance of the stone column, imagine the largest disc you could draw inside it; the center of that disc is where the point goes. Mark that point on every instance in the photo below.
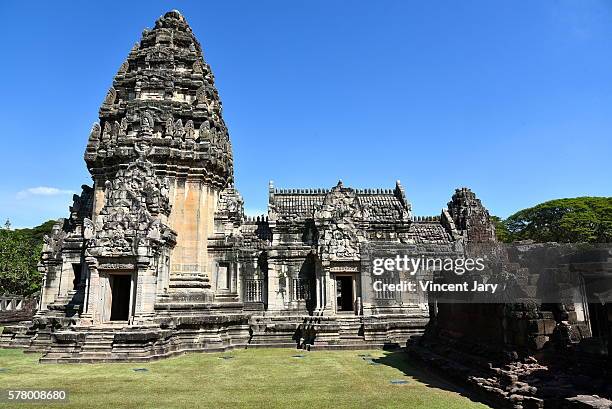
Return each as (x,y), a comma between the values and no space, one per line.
(237,281)
(319,293)
(43,291)
(328,290)
(92,297)
(144,297)
(276,297)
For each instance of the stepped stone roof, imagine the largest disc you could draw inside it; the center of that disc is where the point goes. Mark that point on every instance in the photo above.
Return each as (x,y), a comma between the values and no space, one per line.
(429,232)
(381,205)
(300,203)
(384,206)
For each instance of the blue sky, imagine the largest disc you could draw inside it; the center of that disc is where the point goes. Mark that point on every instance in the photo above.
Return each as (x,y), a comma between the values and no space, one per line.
(512,99)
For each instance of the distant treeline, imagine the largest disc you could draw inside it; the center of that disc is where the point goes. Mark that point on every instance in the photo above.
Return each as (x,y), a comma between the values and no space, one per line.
(19,255)
(581,219)
(577,220)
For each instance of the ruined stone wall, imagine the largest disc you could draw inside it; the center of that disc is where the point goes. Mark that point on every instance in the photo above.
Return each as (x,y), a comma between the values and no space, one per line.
(17,308)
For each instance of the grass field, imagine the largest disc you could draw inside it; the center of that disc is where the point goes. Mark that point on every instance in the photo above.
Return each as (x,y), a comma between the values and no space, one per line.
(254,378)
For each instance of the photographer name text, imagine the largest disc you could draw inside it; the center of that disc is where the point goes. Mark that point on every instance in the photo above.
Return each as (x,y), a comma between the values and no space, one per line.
(428,285)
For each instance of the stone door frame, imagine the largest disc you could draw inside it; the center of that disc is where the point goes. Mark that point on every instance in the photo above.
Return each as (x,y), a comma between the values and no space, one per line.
(356,291)
(106,301)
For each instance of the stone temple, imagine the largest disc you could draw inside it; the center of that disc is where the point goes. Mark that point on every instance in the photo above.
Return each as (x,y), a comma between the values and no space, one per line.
(158,258)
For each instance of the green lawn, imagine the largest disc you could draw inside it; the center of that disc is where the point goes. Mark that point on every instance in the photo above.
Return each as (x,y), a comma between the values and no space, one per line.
(254,378)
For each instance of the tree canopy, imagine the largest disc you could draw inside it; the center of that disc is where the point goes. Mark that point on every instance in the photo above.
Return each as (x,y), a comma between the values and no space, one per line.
(580,219)
(19,255)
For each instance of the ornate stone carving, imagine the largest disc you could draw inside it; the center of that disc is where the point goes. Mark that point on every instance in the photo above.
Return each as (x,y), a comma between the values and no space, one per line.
(116,266)
(197,67)
(175,86)
(160,54)
(230,205)
(201,97)
(124,67)
(336,221)
(169,128)
(94,134)
(52,243)
(106,134)
(88,229)
(146,122)
(110,96)
(189,131)
(82,205)
(179,130)
(123,127)
(134,202)
(470,217)
(204,133)
(208,74)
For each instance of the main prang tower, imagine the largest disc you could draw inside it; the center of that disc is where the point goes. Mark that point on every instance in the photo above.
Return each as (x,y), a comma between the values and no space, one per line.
(159,159)
(143,267)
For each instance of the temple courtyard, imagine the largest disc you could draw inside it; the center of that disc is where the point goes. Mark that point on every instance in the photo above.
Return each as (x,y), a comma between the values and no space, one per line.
(253,378)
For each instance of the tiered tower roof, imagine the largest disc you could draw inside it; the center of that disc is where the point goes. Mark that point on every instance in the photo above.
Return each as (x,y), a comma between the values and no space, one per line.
(163,104)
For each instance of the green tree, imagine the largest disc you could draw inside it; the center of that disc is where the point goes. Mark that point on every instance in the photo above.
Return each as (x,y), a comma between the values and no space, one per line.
(19,255)
(581,219)
(501,230)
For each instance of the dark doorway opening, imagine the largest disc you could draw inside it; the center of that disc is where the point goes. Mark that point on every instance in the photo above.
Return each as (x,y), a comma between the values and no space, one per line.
(599,311)
(262,265)
(344,293)
(120,287)
(598,319)
(305,286)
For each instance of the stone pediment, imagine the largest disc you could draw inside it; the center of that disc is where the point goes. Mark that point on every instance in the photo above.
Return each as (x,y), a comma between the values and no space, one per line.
(336,220)
(340,203)
(130,221)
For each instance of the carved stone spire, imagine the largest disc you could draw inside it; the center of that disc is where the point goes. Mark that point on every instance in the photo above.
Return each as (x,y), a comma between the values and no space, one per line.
(470,217)
(165,93)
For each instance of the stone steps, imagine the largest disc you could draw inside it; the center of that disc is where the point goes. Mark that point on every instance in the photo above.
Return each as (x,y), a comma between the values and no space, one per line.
(349,329)
(65,304)
(16,336)
(96,347)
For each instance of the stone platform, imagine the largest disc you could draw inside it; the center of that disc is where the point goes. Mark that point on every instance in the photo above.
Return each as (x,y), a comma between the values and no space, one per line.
(213,333)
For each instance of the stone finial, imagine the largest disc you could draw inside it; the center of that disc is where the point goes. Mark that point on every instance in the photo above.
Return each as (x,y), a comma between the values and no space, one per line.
(174,13)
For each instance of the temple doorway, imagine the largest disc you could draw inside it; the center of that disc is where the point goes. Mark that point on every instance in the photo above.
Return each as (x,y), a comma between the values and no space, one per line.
(121,285)
(305,285)
(345,293)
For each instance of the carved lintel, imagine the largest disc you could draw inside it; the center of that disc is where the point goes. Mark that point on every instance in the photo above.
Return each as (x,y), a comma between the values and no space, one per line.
(116,266)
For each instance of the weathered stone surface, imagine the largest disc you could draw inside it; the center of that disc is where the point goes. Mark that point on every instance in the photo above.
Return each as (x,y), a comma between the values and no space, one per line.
(157,257)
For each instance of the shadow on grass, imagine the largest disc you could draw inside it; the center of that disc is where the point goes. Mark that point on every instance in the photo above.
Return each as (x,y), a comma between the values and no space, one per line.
(399,359)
